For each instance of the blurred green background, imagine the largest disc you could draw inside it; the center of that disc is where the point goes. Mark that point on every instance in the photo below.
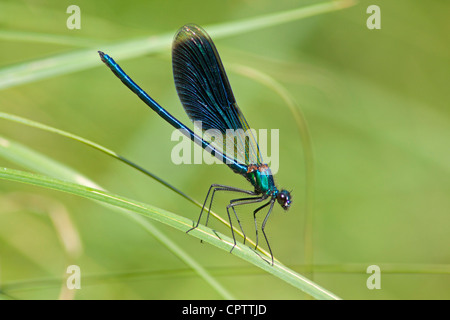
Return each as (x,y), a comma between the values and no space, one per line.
(376,103)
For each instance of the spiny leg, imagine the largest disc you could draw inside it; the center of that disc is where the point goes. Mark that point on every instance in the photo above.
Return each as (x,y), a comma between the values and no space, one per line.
(217,187)
(254,218)
(239,202)
(203,207)
(225,188)
(233,204)
(264,225)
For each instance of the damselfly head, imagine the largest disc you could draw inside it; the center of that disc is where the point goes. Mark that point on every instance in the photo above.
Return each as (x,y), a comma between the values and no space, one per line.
(284,199)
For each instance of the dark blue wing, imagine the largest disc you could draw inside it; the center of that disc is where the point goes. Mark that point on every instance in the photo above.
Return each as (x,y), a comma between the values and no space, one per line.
(206,95)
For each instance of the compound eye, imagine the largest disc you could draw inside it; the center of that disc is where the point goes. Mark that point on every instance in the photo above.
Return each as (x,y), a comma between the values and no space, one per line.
(284,199)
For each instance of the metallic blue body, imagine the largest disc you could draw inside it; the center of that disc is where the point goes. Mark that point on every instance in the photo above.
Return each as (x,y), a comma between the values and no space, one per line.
(206,95)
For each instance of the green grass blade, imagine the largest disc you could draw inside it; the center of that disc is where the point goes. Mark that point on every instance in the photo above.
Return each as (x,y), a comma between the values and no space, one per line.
(94,145)
(178,222)
(46,38)
(270,20)
(35,161)
(26,157)
(87,58)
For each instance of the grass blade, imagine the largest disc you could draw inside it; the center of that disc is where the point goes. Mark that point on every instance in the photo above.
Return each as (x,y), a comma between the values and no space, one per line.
(176,221)
(87,58)
(46,38)
(35,161)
